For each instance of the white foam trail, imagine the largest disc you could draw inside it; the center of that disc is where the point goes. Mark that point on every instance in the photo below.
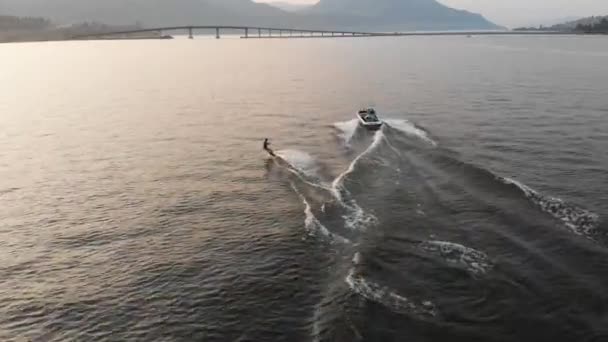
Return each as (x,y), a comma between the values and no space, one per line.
(376,293)
(338,183)
(313,225)
(356,219)
(410,129)
(302,165)
(300,161)
(357,259)
(348,129)
(473,260)
(522,186)
(386,297)
(578,220)
(297,174)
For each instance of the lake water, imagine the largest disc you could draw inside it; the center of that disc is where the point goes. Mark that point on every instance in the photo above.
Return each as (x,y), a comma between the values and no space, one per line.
(137,204)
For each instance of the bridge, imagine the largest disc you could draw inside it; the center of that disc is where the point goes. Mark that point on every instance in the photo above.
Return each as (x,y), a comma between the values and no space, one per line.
(247,31)
(250,32)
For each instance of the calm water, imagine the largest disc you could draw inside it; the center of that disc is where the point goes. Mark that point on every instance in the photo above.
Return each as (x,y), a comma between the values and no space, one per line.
(137,204)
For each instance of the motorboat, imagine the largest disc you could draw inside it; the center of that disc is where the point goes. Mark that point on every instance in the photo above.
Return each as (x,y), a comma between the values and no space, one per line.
(369,119)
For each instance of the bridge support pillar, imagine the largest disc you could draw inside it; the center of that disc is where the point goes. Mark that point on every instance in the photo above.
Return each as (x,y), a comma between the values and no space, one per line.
(217,33)
(190,36)
(246,32)
(259,33)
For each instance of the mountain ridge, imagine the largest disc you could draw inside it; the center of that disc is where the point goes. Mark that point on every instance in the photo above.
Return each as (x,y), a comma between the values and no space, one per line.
(397,14)
(370,15)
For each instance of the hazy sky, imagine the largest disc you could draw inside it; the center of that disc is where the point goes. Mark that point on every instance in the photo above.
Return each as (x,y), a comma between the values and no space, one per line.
(519,12)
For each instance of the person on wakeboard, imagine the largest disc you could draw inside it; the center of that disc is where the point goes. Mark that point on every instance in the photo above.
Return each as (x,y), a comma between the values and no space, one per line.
(267,147)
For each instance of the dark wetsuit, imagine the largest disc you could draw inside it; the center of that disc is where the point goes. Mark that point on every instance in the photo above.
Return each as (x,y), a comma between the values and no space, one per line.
(267,147)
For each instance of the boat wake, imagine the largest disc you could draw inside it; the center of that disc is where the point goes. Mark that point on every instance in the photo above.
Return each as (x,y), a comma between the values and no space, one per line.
(300,161)
(338,184)
(348,130)
(419,187)
(578,220)
(313,225)
(357,219)
(472,260)
(411,129)
(305,168)
(354,218)
(384,295)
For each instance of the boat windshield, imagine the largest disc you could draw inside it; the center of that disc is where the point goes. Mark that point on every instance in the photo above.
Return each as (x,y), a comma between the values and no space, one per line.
(371,117)
(368,115)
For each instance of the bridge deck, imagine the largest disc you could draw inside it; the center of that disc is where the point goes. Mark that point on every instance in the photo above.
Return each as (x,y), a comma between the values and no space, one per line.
(221,27)
(252,32)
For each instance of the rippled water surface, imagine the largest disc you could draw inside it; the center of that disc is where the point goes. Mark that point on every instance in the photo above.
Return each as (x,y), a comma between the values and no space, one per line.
(137,204)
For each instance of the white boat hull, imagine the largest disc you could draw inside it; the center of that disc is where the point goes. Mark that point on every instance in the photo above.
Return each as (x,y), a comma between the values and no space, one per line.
(371,125)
